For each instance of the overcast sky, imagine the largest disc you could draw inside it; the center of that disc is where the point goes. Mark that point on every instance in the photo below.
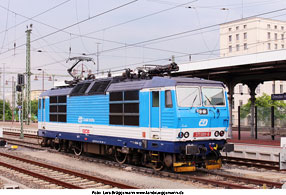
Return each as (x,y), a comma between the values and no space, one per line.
(126,33)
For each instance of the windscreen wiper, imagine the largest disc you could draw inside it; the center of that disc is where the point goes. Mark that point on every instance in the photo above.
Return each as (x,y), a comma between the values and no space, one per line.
(210,102)
(194,100)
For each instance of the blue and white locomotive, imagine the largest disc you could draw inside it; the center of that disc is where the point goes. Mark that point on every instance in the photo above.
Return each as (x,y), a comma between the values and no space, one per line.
(157,121)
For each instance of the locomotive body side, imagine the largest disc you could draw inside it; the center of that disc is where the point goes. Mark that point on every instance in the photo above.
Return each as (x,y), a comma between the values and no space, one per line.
(149,119)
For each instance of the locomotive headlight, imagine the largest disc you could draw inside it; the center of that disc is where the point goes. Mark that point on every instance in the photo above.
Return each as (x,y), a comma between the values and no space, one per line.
(202,111)
(221,133)
(216,133)
(181,135)
(186,134)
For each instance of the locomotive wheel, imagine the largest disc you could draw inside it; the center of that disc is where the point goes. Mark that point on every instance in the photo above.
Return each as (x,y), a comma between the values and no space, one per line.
(120,157)
(78,148)
(58,146)
(158,166)
(42,141)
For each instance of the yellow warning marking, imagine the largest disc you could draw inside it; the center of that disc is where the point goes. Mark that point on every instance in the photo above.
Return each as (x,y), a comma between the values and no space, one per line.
(184,169)
(14,147)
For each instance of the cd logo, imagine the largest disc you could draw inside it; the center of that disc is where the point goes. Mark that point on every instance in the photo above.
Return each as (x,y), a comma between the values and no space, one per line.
(203,122)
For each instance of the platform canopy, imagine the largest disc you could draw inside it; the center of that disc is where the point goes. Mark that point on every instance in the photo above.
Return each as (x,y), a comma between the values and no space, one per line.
(258,67)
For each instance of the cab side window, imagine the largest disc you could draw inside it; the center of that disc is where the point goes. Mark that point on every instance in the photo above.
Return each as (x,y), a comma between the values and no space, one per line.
(43,103)
(155,98)
(168,99)
(40,103)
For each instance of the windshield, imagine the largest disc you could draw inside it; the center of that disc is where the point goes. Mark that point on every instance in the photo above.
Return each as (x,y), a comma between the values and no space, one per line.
(188,96)
(213,96)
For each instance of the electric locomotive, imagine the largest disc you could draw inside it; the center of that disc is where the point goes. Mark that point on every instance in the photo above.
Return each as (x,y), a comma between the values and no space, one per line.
(147,118)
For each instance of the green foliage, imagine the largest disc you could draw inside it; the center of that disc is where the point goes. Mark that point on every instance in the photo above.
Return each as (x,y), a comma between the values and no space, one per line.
(264,104)
(34,110)
(8,111)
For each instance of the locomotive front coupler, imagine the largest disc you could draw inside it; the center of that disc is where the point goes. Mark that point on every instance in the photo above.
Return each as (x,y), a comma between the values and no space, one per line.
(228,147)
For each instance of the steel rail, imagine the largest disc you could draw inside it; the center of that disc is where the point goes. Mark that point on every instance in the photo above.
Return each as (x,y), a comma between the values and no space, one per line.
(249,180)
(219,183)
(89,177)
(18,134)
(252,160)
(216,183)
(21,142)
(270,165)
(42,177)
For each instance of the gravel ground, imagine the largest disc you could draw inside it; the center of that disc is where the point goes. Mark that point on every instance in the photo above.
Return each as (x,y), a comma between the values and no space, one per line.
(8,178)
(124,176)
(140,180)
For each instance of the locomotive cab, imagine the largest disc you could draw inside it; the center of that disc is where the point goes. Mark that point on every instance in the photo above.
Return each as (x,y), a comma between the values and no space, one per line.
(203,122)
(195,112)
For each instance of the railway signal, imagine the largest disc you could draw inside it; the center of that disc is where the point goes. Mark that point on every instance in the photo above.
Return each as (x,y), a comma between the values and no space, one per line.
(19,88)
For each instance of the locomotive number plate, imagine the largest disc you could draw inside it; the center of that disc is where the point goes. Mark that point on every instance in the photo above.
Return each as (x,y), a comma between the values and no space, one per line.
(202,134)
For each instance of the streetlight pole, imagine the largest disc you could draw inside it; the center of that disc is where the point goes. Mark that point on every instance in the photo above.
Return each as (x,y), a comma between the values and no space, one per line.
(13,99)
(3,92)
(97,58)
(43,79)
(53,80)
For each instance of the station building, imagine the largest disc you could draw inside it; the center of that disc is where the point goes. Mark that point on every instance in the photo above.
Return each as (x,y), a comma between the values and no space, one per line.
(248,36)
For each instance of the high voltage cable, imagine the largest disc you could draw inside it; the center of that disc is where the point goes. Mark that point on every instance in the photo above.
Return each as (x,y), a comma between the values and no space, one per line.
(82,21)
(198,53)
(50,9)
(62,29)
(156,60)
(161,59)
(6,26)
(152,14)
(160,38)
(184,32)
(142,17)
(126,44)
(28,18)
(144,46)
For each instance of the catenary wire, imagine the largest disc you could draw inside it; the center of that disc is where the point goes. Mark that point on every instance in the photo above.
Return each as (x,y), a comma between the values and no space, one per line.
(82,21)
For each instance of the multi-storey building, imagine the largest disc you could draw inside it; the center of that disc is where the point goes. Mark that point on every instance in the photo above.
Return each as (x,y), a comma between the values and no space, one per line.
(247,36)
(35,94)
(252,35)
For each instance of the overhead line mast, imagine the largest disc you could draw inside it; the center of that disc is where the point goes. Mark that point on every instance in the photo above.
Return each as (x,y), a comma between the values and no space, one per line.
(28,75)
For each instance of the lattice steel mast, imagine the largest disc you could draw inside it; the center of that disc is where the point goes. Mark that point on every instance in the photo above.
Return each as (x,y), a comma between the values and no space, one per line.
(28,75)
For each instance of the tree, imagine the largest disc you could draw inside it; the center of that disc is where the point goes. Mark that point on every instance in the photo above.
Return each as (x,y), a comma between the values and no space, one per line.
(8,111)
(34,109)
(264,104)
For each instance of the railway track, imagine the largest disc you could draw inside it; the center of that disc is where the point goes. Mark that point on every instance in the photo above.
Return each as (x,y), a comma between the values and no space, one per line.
(216,179)
(18,135)
(269,165)
(27,144)
(50,176)
(247,183)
